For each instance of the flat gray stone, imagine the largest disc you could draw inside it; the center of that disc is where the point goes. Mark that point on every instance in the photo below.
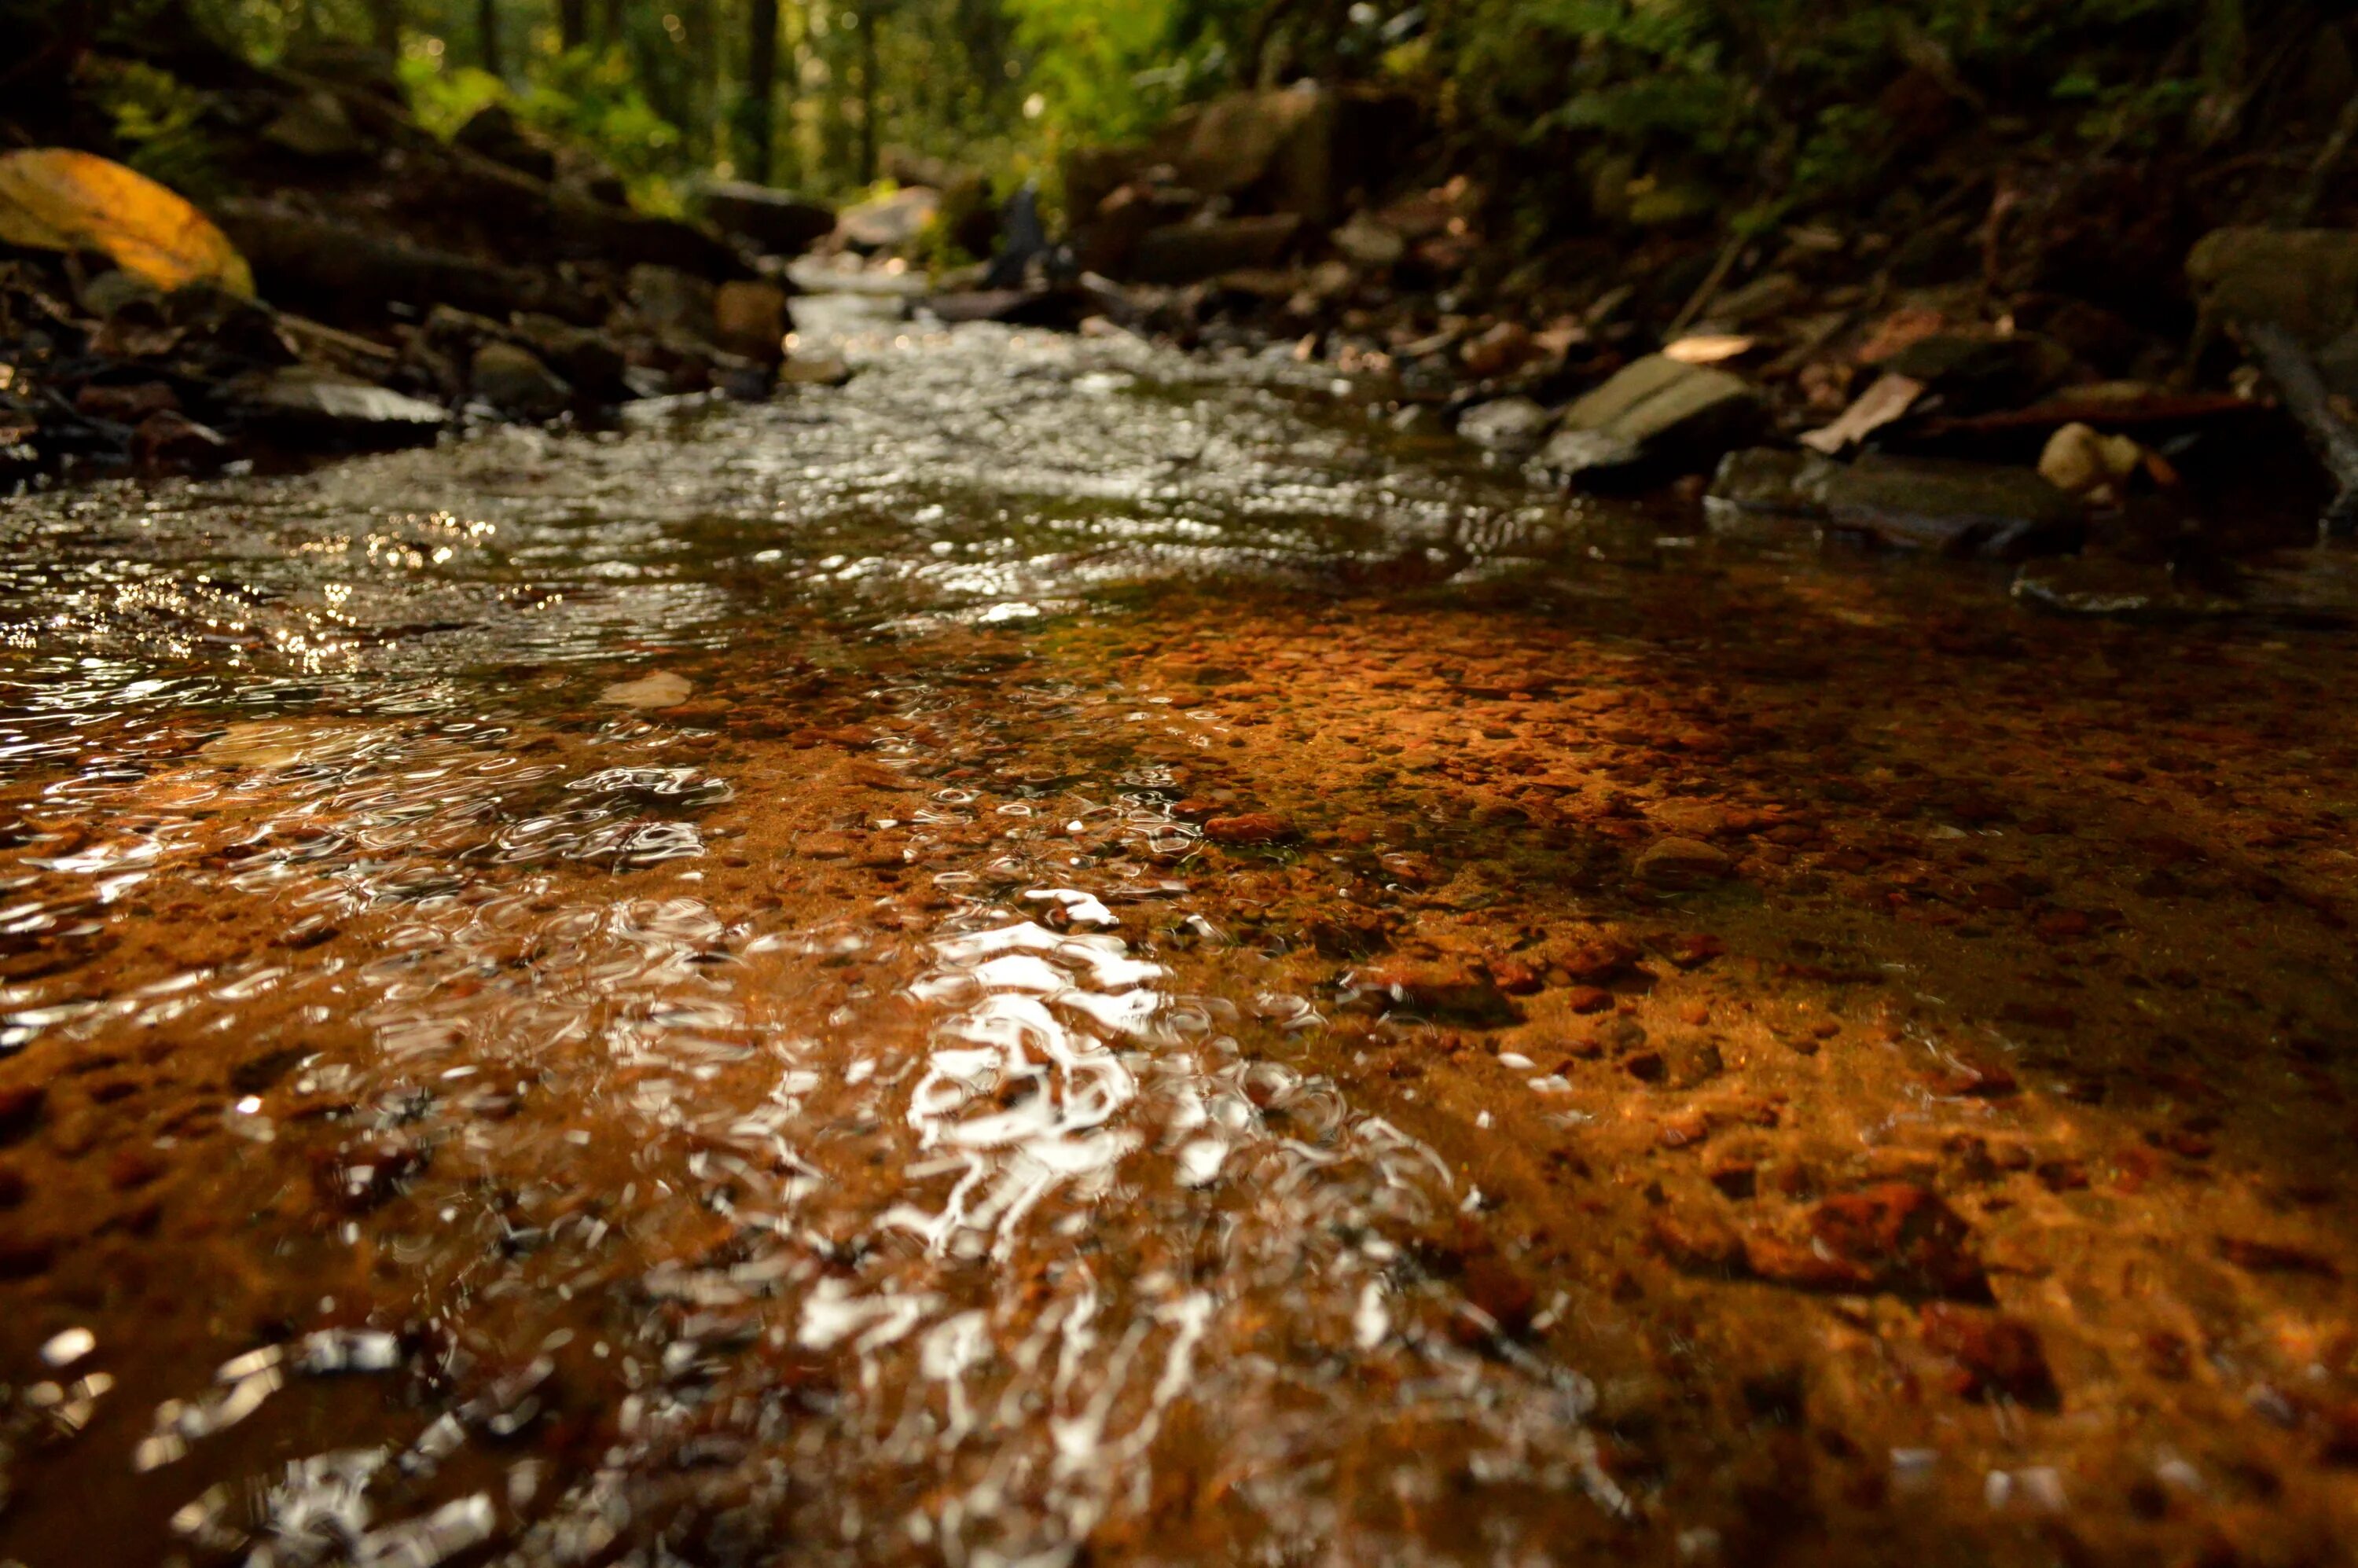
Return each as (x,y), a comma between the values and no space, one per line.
(1655,410)
(1964,509)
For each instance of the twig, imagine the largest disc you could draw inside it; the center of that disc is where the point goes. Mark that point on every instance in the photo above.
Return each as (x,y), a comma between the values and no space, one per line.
(1711,283)
(2321,174)
(2287,364)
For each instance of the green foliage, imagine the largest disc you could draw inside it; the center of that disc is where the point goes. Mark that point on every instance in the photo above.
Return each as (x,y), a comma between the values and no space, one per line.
(1108,70)
(159,122)
(586,97)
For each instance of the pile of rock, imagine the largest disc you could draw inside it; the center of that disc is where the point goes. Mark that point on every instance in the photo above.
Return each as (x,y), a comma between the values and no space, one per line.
(376,286)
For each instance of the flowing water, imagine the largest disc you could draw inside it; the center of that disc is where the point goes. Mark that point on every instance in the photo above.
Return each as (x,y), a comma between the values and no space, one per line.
(730,992)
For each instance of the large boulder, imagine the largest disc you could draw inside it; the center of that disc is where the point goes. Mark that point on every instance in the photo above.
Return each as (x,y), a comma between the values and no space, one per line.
(1656,413)
(776,222)
(2304,280)
(1271,149)
(1192,252)
(495,132)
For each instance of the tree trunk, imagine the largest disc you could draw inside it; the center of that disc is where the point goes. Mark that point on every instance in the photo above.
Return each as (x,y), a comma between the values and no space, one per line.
(487,36)
(761,89)
(609,23)
(867,73)
(573,23)
(384,25)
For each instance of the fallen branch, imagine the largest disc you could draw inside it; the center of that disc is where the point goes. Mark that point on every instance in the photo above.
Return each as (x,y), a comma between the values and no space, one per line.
(2287,364)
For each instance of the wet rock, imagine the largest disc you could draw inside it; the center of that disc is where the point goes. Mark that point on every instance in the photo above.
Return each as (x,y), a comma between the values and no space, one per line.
(2305,281)
(1679,864)
(1197,250)
(1511,425)
(777,223)
(1278,144)
(890,223)
(1764,481)
(1248,827)
(750,318)
(671,301)
(1993,1356)
(587,358)
(305,399)
(1897,1237)
(1658,411)
(1593,961)
(513,381)
(1957,508)
(1443,990)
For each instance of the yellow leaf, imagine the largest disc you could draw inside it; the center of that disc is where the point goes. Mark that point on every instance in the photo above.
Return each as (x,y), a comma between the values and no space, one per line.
(55,198)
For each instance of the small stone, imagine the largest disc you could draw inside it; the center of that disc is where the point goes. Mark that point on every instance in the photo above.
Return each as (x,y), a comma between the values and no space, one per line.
(1588,999)
(1441,990)
(661,689)
(513,381)
(1992,1356)
(1515,977)
(1683,863)
(1904,1238)
(1248,827)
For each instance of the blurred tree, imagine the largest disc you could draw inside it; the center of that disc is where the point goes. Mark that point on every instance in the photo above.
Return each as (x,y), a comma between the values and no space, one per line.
(758,130)
(486,36)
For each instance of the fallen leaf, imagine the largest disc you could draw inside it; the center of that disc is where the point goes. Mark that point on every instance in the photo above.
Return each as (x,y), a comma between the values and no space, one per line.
(55,198)
(1710,349)
(1888,399)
